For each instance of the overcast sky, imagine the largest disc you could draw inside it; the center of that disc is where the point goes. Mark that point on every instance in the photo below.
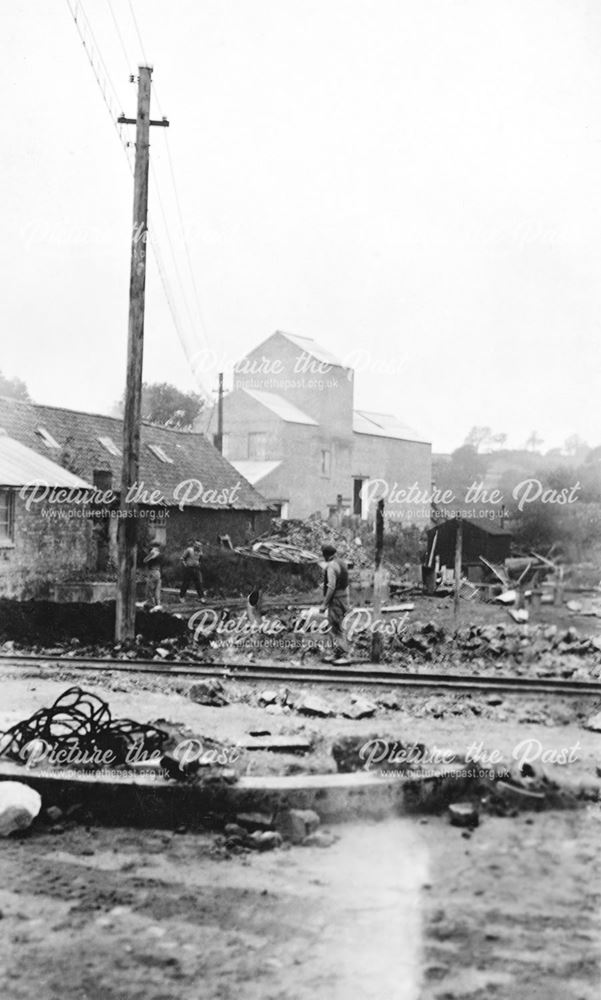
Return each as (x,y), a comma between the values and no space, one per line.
(418,179)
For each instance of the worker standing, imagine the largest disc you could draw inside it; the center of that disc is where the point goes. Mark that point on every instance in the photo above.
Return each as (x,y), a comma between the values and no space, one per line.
(335,603)
(192,573)
(153,579)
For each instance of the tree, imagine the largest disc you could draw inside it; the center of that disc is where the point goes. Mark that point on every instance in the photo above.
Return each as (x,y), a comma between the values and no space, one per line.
(534,441)
(483,437)
(14,387)
(465,467)
(576,447)
(477,437)
(168,406)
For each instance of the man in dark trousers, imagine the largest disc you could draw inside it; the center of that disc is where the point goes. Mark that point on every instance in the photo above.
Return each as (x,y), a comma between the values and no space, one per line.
(191,570)
(336,602)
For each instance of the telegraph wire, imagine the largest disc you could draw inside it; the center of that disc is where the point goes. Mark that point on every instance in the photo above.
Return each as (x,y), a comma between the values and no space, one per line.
(134,19)
(128,61)
(200,324)
(94,56)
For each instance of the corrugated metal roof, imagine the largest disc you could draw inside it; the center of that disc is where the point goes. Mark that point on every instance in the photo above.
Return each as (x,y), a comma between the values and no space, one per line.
(281,407)
(21,466)
(384,425)
(255,471)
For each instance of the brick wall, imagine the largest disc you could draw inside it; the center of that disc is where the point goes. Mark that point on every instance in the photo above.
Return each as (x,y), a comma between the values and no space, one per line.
(45,550)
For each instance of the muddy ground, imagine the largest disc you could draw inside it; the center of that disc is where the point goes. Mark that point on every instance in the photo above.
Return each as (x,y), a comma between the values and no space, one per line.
(407,909)
(399,910)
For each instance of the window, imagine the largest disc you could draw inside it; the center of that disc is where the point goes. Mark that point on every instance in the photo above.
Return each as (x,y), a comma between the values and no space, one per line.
(160,454)
(103,480)
(7,518)
(47,438)
(280,509)
(109,445)
(325,462)
(257,446)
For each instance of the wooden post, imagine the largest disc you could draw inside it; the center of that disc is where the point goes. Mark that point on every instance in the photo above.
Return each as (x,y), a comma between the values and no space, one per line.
(127,530)
(458,553)
(379,581)
(218,437)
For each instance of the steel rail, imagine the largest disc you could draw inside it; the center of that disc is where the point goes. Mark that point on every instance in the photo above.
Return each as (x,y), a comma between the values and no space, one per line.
(361,675)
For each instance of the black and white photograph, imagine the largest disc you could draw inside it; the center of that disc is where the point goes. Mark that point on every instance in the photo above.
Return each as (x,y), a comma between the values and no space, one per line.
(300,500)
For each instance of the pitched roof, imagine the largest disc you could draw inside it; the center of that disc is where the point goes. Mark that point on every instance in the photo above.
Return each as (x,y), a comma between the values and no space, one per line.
(255,471)
(90,442)
(21,466)
(313,348)
(483,523)
(283,408)
(384,425)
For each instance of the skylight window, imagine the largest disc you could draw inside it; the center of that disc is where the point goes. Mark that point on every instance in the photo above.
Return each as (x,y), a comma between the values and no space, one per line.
(160,454)
(109,445)
(46,437)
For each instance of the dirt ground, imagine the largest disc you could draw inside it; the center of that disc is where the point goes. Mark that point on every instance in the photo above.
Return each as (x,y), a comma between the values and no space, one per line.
(407,909)
(400,910)
(441,610)
(455,721)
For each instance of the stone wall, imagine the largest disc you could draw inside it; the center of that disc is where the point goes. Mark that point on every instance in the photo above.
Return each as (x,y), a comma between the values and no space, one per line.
(50,544)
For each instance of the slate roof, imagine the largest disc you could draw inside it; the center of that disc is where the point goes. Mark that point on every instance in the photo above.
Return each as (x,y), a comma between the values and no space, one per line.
(306,344)
(283,408)
(314,349)
(79,447)
(384,425)
(21,466)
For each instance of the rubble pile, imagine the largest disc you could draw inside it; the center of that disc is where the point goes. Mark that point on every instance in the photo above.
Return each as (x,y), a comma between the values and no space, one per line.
(314,532)
(539,650)
(258,831)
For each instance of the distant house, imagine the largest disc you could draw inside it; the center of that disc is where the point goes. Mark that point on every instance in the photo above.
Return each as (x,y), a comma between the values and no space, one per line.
(186,487)
(290,428)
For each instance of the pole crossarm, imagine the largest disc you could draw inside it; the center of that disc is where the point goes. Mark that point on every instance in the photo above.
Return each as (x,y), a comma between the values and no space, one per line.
(122,120)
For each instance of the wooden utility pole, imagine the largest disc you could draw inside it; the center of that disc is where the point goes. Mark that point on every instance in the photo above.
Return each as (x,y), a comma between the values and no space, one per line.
(218,437)
(458,557)
(377,644)
(127,529)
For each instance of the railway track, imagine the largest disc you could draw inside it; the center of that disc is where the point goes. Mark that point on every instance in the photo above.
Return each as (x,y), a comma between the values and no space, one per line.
(359,675)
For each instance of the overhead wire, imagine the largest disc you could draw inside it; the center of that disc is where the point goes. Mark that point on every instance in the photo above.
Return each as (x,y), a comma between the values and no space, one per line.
(199,323)
(90,45)
(120,36)
(94,55)
(134,19)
